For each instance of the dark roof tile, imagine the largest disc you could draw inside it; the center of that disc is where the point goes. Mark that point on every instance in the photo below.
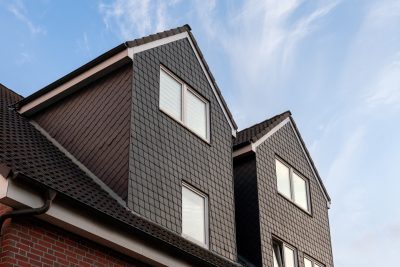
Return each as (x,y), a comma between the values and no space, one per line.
(33,156)
(258,130)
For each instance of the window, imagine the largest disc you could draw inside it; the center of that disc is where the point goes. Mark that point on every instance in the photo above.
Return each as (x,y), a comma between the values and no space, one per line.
(308,262)
(184,105)
(283,255)
(194,215)
(292,185)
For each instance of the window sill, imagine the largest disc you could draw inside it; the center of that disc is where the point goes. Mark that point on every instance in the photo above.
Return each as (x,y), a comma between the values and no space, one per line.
(309,213)
(184,126)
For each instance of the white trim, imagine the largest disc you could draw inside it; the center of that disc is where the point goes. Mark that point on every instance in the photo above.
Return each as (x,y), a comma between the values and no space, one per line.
(156,43)
(184,89)
(206,216)
(243,150)
(311,166)
(292,197)
(129,52)
(253,147)
(79,164)
(65,216)
(212,85)
(92,72)
(273,130)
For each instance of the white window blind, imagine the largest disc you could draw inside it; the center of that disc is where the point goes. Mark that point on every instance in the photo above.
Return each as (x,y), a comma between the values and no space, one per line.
(193,215)
(290,260)
(307,263)
(300,191)
(181,103)
(196,114)
(292,185)
(283,179)
(170,95)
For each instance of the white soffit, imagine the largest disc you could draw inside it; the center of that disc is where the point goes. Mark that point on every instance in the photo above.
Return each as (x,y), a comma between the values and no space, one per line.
(73,82)
(67,217)
(129,52)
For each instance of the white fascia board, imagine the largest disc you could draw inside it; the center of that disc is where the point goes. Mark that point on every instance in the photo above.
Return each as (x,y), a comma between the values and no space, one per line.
(253,146)
(63,88)
(65,216)
(129,52)
(150,45)
(243,150)
(156,43)
(212,86)
(311,165)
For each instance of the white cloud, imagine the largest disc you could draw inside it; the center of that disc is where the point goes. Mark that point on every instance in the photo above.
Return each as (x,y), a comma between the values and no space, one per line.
(83,44)
(136,18)
(385,92)
(261,40)
(18,9)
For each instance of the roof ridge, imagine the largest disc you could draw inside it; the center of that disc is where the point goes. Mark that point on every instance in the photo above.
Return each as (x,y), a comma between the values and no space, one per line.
(258,123)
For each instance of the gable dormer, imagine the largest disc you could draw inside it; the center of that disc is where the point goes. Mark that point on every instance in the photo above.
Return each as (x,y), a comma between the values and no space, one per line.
(281,202)
(111,118)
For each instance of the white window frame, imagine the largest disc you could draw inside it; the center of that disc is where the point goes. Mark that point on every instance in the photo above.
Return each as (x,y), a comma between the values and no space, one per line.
(206,217)
(292,193)
(314,263)
(282,245)
(185,89)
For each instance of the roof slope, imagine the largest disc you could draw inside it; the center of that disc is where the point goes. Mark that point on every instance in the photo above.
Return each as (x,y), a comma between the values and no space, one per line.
(258,130)
(130,44)
(32,156)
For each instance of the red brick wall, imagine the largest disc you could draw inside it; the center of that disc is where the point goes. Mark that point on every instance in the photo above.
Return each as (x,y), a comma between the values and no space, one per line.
(31,242)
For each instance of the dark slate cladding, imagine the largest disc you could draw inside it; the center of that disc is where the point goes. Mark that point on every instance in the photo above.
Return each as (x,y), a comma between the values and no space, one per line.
(281,218)
(93,125)
(164,153)
(246,210)
(34,158)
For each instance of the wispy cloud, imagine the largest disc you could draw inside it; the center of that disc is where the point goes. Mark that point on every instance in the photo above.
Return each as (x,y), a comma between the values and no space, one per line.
(385,92)
(83,44)
(261,41)
(23,58)
(134,18)
(18,9)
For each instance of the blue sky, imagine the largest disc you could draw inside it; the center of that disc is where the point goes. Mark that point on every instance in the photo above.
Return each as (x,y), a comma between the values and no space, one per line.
(334,64)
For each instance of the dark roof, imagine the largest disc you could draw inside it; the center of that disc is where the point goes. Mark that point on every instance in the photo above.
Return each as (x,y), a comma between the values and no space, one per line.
(255,132)
(121,47)
(32,156)
(8,95)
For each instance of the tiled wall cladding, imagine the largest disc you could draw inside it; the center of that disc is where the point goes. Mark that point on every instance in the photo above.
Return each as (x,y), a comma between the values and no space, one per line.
(247,212)
(93,125)
(164,153)
(280,217)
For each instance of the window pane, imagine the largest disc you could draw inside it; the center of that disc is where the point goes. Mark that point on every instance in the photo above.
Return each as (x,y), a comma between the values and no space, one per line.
(289,257)
(282,175)
(170,95)
(307,263)
(193,215)
(196,114)
(300,191)
(277,252)
(275,261)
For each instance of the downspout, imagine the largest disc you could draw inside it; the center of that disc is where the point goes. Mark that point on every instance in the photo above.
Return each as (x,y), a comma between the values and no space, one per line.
(50,195)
